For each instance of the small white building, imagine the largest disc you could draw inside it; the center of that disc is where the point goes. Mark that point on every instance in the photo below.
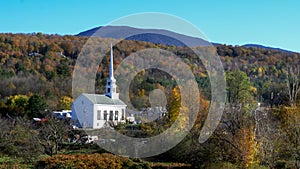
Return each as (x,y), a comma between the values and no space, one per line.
(95,110)
(131,118)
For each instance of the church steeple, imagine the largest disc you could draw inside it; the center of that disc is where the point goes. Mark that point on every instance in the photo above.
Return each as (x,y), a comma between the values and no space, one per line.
(111,87)
(111,67)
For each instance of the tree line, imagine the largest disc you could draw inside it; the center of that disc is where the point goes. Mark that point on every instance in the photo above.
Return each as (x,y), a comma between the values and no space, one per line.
(36,72)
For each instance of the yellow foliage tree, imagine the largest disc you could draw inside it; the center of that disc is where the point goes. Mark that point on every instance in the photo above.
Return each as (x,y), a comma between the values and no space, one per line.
(175,104)
(246,143)
(17,104)
(260,71)
(65,103)
(18,100)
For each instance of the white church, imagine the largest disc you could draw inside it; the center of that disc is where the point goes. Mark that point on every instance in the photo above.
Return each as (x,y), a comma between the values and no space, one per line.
(95,111)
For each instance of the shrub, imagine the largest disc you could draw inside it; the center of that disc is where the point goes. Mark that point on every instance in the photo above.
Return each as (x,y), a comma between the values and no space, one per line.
(221,165)
(280,164)
(7,162)
(257,166)
(91,161)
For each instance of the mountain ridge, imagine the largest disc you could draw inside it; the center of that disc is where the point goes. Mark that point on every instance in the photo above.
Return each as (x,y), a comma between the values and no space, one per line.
(159,36)
(156,36)
(266,47)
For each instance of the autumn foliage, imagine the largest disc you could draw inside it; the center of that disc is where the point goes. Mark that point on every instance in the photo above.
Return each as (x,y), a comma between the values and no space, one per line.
(91,161)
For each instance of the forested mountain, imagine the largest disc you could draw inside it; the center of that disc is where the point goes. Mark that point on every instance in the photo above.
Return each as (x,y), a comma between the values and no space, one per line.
(156,36)
(265,47)
(47,62)
(36,77)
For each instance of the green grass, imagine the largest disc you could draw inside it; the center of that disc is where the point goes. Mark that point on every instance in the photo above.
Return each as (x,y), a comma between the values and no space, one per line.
(82,151)
(9,160)
(13,163)
(168,165)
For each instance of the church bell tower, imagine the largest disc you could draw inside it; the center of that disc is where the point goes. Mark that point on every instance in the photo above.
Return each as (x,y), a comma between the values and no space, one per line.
(111,86)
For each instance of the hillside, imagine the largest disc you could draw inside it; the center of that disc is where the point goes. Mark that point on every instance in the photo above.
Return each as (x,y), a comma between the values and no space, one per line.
(37,63)
(265,47)
(156,36)
(36,77)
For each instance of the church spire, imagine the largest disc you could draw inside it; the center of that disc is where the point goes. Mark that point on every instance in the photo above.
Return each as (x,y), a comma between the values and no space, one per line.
(111,67)
(111,87)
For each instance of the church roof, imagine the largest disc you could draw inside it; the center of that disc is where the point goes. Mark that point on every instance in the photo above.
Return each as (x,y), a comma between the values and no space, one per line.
(102,99)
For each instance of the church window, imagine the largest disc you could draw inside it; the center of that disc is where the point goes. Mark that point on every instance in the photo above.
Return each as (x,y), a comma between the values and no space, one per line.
(105,115)
(111,115)
(98,114)
(108,90)
(123,114)
(116,115)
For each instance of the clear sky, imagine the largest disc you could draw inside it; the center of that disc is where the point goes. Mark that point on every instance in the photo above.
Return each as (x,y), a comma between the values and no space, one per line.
(273,23)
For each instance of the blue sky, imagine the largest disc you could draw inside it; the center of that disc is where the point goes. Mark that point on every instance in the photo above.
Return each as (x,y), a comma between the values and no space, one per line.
(268,22)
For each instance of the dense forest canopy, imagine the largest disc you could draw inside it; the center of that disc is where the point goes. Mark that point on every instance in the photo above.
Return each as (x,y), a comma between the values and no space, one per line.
(36,78)
(48,61)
